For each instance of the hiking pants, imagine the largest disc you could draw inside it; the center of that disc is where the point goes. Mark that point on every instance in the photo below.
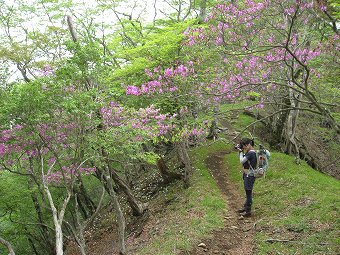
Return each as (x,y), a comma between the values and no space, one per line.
(248,182)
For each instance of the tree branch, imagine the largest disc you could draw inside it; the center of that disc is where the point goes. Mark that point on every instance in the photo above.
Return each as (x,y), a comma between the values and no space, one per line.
(71,28)
(8,245)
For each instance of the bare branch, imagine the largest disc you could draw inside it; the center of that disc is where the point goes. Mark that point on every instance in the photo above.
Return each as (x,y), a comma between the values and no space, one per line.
(333,22)
(155,15)
(189,9)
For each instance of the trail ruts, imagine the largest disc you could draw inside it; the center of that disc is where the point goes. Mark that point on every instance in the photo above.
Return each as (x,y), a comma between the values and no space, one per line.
(236,237)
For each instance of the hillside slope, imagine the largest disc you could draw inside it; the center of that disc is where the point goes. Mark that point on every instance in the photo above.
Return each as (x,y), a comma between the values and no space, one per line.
(296,212)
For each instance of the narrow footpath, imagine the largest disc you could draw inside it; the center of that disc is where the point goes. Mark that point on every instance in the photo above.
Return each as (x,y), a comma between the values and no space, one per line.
(236,238)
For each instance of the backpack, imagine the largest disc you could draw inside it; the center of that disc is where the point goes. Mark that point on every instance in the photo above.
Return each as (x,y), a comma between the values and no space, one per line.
(263,156)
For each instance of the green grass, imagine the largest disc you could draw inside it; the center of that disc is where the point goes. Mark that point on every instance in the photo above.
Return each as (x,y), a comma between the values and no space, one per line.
(194,213)
(236,106)
(294,202)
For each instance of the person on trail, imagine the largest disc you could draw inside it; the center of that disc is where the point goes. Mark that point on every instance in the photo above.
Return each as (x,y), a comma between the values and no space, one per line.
(249,161)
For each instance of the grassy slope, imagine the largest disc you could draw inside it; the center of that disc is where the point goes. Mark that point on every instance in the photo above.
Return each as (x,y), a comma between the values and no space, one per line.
(294,202)
(194,212)
(297,203)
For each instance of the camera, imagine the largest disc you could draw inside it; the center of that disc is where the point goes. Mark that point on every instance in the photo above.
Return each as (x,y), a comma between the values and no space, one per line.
(239,147)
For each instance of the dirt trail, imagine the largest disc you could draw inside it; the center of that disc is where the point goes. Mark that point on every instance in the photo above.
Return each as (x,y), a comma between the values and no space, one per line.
(237,235)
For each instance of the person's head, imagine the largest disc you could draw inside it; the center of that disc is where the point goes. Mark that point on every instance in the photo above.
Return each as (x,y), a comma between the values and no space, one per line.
(247,143)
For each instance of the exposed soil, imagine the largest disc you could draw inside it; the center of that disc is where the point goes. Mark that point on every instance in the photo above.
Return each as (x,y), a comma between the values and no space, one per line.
(237,235)
(235,238)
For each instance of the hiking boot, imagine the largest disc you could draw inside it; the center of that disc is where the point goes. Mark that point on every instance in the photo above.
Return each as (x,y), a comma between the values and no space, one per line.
(242,210)
(246,214)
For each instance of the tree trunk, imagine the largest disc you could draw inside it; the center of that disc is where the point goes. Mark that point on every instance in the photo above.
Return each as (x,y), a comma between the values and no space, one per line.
(203,11)
(8,245)
(99,173)
(277,125)
(87,199)
(81,239)
(213,131)
(31,242)
(184,158)
(58,238)
(46,235)
(137,208)
(23,71)
(164,171)
(83,65)
(85,203)
(324,112)
(120,219)
(78,230)
(57,218)
(291,142)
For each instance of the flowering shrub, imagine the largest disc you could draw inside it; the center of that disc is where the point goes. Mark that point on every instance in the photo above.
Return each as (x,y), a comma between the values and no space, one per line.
(162,81)
(261,45)
(48,146)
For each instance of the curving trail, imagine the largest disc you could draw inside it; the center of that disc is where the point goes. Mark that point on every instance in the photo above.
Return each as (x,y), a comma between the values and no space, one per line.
(236,238)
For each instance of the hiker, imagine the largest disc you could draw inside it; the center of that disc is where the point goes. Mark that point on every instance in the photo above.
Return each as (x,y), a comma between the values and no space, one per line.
(249,161)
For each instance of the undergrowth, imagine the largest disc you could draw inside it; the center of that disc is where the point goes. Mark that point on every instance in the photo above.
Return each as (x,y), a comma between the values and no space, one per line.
(193,213)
